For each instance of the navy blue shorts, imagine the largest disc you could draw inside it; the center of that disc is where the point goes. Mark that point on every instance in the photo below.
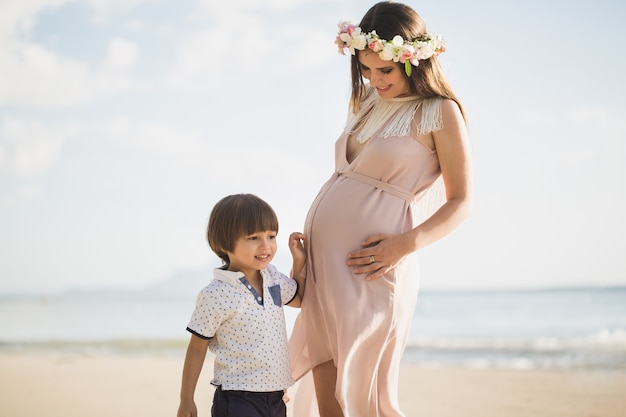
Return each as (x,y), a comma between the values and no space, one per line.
(248,404)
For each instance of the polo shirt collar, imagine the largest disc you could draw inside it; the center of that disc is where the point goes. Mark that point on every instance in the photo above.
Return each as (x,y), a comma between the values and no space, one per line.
(230,277)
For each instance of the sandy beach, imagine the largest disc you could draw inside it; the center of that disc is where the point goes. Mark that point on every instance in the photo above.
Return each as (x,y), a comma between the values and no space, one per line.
(98,385)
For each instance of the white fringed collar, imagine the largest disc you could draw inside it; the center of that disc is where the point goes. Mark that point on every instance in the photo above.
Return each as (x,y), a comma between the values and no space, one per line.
(394,116)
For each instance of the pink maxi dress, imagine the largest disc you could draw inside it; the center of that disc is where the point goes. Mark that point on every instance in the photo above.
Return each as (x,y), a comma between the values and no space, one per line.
(362,326)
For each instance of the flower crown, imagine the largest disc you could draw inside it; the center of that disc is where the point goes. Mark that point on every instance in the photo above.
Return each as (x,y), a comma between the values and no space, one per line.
(396,50)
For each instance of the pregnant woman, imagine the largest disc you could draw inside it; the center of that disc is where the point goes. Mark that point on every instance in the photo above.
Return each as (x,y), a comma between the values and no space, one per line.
(402,180)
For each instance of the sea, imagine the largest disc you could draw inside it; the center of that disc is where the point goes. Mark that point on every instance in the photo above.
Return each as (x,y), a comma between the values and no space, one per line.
(566,328)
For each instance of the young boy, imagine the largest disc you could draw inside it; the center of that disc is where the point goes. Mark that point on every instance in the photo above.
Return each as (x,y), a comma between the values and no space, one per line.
(239,315)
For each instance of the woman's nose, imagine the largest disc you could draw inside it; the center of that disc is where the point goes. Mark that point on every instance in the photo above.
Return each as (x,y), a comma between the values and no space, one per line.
(376,80)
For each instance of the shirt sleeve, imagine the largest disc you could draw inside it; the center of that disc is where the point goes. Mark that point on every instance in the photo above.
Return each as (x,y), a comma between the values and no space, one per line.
(288,286)
(209,314)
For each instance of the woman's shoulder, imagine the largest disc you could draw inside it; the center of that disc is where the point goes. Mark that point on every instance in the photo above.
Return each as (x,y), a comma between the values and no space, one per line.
(443,104)
(438,111)
(451,112)
(429,118)
(449,105)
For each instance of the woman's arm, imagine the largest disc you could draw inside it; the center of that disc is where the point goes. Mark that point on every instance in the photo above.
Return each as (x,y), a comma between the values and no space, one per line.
(453,151)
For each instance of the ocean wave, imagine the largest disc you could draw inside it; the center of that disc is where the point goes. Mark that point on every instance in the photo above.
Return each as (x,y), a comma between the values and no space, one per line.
(603,340)
(99,347)
(604,350)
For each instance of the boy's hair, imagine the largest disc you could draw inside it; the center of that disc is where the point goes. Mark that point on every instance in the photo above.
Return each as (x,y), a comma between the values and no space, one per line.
(236,216)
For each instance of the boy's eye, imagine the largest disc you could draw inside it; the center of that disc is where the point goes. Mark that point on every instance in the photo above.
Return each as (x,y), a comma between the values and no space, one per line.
(256,237)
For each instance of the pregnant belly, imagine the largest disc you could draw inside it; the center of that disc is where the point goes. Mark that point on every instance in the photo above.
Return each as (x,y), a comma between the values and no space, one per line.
(349,211)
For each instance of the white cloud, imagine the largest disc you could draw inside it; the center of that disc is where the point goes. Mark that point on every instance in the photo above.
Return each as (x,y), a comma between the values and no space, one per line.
(104,9)
(122,54)
(198,152)
(17,17)
(227,49)
(212,7)
(577,135)
(23,193)
(30,147)
(135,24)
(233,48)
(34,75)
(152,138)
(308,46)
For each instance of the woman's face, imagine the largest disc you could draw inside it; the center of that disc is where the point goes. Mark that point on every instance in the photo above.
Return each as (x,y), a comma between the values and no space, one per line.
(386,76)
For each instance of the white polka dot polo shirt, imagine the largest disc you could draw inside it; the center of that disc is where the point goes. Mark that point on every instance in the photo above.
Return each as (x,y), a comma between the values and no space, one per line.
(246,331)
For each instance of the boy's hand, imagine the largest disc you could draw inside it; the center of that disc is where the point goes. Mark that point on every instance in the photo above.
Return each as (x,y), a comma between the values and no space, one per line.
(187,409)
(296,246)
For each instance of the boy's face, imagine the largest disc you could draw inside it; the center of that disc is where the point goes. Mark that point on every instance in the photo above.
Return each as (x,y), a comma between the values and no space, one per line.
(253,252)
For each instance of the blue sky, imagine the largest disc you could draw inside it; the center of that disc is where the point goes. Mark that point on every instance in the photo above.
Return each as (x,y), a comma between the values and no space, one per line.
(123,121)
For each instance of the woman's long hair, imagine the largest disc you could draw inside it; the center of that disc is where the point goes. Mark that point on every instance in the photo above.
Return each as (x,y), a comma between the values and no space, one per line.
(389,19)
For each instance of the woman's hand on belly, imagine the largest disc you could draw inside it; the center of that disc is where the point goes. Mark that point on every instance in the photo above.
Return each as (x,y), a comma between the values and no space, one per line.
(381,253)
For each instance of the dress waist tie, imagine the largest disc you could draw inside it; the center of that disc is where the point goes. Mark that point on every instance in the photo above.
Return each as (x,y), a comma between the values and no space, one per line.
(385,186)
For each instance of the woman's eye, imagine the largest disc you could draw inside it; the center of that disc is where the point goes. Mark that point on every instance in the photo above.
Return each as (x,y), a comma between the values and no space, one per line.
(386,71)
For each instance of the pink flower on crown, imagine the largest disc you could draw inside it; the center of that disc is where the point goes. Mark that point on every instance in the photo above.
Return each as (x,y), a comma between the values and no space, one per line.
(340,45)
(350,37)
(375,45)
(388,52)
(344,37)
(407,52)
(359,41)
(346,27)
(397,50)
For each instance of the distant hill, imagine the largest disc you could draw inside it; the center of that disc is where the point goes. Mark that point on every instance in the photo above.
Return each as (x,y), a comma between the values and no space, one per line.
(188,282)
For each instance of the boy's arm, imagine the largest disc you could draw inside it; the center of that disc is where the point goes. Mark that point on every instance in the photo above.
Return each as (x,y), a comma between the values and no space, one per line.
(298,272)
(194,359)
